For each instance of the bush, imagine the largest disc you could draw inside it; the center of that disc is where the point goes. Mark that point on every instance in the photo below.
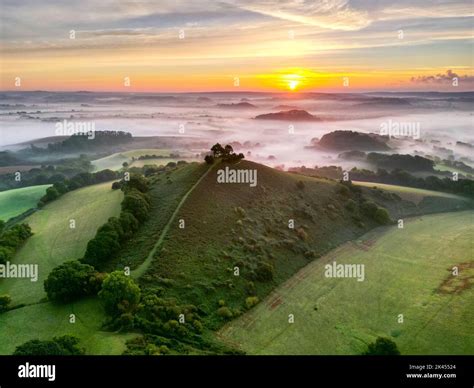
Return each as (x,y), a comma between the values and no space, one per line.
(224,312)
(66,345)
(300,185)
(119,294)
(5,301)
(264,272)
(351,205)
(382,347)
(382,217)
(251,301)
(71,281)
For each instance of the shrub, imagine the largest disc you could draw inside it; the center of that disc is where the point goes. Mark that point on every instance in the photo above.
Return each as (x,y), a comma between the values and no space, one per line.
(300,185)
(351,205)
(251,301)
(264,272)
(224,312)
(381,216)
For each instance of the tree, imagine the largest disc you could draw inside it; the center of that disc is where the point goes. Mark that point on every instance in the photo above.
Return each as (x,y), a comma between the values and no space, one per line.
(71,281)
(120,294)
(217,150)
(382,347)
(66,345)
(228,150)
(136,203)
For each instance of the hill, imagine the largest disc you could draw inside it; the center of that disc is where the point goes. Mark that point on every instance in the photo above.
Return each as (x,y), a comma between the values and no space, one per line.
(289,115)
(238,105)
(229,226)
(352,141)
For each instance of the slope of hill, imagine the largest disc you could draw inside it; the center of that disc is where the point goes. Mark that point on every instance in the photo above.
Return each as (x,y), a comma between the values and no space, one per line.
(16,201)
(407,271)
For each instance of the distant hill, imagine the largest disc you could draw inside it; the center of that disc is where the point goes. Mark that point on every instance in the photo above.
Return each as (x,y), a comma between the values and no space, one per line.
(290,115)
(402,162)
(239,105)
(353,141)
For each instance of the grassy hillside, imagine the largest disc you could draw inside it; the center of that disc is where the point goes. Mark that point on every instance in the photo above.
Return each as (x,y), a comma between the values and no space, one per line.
(234,225)
(115,161)
(15,202)
(408,271)
(402,201)
(45,320)
(54,242)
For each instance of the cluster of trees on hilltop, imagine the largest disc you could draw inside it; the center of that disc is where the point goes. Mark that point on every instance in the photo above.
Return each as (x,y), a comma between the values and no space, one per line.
(11,239)
(81,142)
(113,234)
(225,154)
(80,180)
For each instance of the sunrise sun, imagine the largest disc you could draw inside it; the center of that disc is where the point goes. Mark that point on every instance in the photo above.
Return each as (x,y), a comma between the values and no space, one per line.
(293,84)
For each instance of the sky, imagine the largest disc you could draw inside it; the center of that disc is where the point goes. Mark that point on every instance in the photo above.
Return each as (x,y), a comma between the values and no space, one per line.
(236,45)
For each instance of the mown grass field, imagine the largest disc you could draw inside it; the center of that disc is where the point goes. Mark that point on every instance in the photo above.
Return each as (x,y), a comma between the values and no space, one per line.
(46,320)
(16,201)
(409,193)
(407,271)
(54,242)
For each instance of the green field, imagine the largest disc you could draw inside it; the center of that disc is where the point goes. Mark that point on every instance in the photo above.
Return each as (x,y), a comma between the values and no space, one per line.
(46,320)
(115,161)
(54,242)
(15,202)
(407,271)
(409,193)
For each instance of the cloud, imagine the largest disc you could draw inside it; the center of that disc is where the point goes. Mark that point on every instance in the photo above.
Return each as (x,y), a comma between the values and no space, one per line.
(441,78)
(328,14)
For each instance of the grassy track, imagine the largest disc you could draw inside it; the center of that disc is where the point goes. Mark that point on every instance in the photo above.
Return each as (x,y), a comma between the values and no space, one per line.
(54,242)
(16,201)
(407,271)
